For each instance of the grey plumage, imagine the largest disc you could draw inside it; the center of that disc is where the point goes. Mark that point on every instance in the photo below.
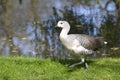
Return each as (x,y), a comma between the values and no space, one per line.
(78,43)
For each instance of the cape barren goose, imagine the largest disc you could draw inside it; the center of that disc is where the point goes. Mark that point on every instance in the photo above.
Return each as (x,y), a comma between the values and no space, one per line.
(81,45)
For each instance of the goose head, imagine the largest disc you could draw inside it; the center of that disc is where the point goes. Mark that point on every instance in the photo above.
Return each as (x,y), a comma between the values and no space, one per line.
(63,24)
(65,27)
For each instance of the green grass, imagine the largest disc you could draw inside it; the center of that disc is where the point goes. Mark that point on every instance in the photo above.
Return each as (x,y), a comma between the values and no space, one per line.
(22,68)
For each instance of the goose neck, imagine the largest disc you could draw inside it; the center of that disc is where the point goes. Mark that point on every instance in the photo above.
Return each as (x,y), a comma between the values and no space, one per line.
(65,31)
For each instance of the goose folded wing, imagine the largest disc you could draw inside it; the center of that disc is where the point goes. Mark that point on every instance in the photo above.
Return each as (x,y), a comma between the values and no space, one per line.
(86,41)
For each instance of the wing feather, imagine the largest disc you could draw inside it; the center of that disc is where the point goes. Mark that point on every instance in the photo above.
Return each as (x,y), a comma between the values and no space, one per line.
(86,41)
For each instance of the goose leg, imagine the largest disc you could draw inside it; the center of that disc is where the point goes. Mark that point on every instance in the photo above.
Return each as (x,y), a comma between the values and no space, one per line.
(86,66)
(73,65)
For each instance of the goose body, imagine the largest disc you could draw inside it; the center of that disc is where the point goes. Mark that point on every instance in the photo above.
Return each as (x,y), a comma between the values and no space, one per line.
(78,43)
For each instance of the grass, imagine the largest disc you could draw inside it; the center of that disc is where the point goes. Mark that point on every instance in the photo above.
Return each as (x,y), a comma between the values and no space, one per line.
(22,68)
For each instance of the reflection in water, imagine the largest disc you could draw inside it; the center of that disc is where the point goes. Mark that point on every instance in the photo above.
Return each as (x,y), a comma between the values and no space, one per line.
(32,39)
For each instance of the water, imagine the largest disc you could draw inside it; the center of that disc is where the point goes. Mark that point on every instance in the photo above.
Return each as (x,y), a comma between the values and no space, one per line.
(23,22)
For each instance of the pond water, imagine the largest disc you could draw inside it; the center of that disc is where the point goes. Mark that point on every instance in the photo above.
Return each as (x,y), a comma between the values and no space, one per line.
(27,27)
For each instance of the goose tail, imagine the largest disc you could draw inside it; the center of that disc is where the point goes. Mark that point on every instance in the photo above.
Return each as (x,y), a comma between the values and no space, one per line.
(105,42)
(100,41)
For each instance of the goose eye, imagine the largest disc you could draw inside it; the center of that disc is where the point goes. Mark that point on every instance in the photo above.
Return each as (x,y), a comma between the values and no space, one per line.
(61,23)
